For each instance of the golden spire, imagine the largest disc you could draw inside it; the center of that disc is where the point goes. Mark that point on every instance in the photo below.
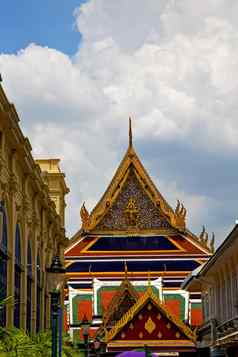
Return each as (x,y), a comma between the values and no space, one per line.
(130,133)
(149,278)
(125,269)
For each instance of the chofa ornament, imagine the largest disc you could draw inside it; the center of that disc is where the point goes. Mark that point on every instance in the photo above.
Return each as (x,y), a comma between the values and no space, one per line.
(84,217)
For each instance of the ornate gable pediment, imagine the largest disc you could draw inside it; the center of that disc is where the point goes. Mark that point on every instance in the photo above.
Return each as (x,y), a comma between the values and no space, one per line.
(132,202)
(133,209)
(149,320)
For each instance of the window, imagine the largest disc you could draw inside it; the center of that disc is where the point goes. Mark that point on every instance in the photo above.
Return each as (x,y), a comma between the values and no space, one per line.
(29,288)
(17,302)
(38,294)
(3,262)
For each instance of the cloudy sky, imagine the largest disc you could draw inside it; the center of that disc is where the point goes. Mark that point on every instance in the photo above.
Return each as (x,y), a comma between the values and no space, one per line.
(77,70)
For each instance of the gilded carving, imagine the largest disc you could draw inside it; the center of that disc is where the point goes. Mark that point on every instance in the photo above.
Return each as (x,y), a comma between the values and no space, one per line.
(131,212)
(212,243)
(204,240)
(168,326)
(159,316)
(133,209)
(150,325)
(84,217)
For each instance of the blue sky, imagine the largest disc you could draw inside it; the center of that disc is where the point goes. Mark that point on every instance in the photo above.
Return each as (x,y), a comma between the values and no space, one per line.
(170,65)
(46,22)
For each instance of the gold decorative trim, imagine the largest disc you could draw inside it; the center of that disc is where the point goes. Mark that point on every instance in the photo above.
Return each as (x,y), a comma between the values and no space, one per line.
(150,325)
(132,273)
(155,343)
(135,231)
(131,212)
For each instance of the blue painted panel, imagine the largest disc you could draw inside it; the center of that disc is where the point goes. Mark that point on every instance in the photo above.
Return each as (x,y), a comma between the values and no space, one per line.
(133,243)
(136,266)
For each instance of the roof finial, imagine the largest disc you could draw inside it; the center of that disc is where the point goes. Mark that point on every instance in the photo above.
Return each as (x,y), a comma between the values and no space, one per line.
(125,269)
(149,278)
(130,133)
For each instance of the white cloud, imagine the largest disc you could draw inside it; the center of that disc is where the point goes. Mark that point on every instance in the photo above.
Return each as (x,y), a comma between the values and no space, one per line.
(171,65)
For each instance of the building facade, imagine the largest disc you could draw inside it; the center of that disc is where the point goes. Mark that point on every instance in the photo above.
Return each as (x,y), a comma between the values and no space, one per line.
(31,225)
(218,282)
(132,225)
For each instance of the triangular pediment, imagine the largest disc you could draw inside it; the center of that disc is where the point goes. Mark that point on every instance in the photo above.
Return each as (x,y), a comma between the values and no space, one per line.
(133,209)
(149,320)
(132,202)
(125,297)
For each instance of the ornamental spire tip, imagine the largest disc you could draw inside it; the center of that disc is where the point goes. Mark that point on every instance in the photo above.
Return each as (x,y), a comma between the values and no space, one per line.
(130,133)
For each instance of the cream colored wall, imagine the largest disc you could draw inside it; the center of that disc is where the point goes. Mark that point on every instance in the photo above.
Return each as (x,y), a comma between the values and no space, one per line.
(27,200)
(221,285)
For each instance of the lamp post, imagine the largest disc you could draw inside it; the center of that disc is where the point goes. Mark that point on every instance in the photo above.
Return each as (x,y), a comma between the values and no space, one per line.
(97,345)
(85,324)
(55,279)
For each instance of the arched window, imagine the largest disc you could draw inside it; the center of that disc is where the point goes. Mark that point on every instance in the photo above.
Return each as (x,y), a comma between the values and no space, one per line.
(38,293)
(3,262)
(29,288)
(17,302)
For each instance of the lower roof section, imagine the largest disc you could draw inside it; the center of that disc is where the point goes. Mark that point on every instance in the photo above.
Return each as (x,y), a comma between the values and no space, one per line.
(132,266)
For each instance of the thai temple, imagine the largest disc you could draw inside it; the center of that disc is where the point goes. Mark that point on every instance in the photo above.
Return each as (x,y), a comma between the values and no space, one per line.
(126,264)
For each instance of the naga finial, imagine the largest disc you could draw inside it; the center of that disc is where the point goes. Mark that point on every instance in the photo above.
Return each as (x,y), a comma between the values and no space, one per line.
(177,209)
(203,237)
(212,243)
(180,210)
(130,133)
(84,217)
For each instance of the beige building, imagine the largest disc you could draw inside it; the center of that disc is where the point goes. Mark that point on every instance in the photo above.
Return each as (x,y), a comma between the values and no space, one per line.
(32,204)
(218,281)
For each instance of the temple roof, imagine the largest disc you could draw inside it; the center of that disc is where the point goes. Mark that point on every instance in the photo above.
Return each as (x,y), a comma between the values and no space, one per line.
(113,245)
(125,296)
(149,319)
(132,206)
